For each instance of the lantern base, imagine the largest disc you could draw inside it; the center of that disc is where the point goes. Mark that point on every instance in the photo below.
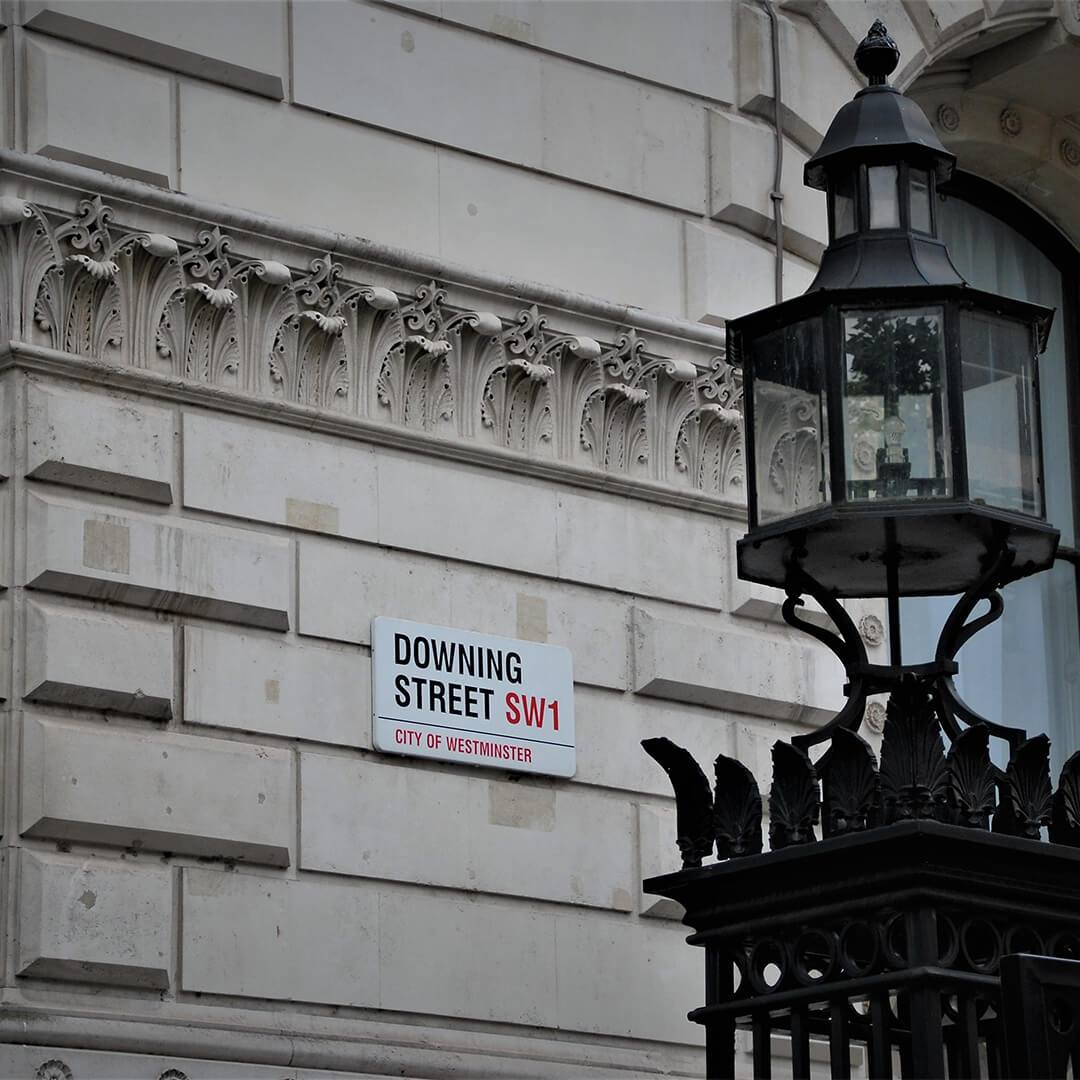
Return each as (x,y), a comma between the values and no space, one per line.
(924,550)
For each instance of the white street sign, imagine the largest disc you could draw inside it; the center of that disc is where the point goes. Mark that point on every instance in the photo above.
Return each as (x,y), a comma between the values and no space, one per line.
(472,698)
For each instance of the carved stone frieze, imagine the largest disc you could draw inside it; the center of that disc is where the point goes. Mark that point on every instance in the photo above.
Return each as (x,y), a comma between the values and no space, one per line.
(320,334)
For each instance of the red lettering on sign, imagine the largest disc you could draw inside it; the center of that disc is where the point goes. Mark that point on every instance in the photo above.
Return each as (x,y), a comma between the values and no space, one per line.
(513,716)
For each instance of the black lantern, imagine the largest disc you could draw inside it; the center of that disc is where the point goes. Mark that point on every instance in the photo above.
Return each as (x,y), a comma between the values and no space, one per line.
(892,417)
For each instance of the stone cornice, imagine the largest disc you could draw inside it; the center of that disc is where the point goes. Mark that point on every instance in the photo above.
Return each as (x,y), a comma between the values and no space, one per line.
(152,290)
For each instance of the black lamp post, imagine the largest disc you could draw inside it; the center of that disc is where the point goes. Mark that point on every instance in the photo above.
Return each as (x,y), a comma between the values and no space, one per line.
(892,429)
(892,415)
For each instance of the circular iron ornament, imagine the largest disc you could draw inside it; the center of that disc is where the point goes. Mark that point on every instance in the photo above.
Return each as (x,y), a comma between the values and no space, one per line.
(858,948)
(981,945)
(173,1074)
(1011,122)
(948,117)
(768,954)
(948,941)
(872,630)
(1065,945)
(54,1069)
(1070,152)
(894,936)
(1025,939)
(816,955)
(875,717)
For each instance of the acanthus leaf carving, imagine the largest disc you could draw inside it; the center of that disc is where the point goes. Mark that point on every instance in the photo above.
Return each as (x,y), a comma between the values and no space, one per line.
(195,310)
(794,801)
(28,251)
(1026,800)
(693,798)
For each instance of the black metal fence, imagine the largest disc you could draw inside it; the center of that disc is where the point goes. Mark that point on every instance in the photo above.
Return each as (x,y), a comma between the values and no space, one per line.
(888,945)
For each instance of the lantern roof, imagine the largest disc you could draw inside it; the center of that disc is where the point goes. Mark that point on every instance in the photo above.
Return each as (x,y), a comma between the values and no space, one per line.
(879,121)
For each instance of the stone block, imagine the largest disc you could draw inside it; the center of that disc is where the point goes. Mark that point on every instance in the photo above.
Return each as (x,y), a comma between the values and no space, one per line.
(610,727)
(844,25)
(430,505)
(488,96)
(165,792)
(643,988)
(342,587)
(98,661)
(272,474)
(26,1060)
(592,623)
(678,43)
(298,690)
(5,635)
(452,87)
(940,20)
(712,664)
(100,443)
(729,273)
(7,394)
(742,159)
(651,549)
(468,957)
(382,186)
(517,838)
(105,114)
(94,920)
(232,42)
(488,216)
(815,80)
(314,941)
(659,854)
(156,562)
(634,138)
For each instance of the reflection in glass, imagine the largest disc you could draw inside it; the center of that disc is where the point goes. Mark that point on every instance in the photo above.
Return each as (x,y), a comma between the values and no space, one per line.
(999,412)
(884,201)
(919,188)
(790,427)
(896,441)
(844,206)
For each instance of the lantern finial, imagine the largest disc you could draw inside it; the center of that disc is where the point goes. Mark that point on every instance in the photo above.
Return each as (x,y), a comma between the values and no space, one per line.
(877,54)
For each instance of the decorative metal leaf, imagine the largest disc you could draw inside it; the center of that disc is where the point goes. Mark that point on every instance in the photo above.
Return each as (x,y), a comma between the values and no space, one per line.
(914,782)
(971,778)
(849,784)
(1026,795)
(793,802)
(736,810)
(1065,815)
(693,799)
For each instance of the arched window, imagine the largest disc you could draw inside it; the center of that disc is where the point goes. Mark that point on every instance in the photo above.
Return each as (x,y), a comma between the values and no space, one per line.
(1023,670)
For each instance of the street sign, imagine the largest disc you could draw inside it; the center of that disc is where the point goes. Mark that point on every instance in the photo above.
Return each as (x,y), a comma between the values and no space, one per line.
(471,698)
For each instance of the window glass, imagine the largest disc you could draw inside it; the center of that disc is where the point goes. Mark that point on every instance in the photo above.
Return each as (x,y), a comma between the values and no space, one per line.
(790,423)
(884,197)
(894,397)
(1024,669)
(919,188)
(844,206)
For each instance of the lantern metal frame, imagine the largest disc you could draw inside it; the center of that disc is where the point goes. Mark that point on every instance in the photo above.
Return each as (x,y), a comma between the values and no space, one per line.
(937,543)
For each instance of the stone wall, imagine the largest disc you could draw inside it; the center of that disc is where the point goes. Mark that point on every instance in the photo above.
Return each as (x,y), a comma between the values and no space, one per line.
(315,312)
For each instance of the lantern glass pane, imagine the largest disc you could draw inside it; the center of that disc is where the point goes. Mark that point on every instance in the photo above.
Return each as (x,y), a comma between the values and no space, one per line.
(791,449)
(843,206)
(1000,412)
(896,438)
(919,188)
(884,200)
